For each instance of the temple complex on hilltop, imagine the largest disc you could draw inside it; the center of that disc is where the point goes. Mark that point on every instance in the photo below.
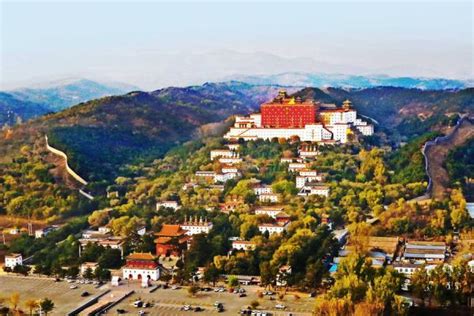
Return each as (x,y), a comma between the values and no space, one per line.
(287,117)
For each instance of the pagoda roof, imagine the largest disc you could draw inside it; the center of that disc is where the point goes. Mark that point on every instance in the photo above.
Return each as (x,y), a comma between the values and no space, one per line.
(170,231)
(141,256)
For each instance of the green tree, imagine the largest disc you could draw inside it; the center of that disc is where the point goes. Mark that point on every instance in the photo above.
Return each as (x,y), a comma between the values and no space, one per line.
(211,274)
(232,281)
(46,306)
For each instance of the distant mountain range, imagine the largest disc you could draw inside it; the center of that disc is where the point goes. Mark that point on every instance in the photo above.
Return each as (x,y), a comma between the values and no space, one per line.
(25,103)
(301,79)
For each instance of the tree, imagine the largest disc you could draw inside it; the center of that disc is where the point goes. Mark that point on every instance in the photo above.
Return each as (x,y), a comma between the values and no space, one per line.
(31,305)
(88,274)
(98,218)
(46,306)
(14,300)
(419,284)
(110,259)
(232,281)
(254,304)
(211,274)
(193,289)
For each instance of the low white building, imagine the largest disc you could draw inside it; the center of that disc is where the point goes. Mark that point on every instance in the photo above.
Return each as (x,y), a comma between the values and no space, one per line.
(88,265)
(42,232)
(270,211)
(425,250)
(233,147)
(243,245)
(295,166)
(229,169)
(276,228)
(194,227)
(268,197)
(13,259)
(302,180)
(230,161)
(314,189)
(224,177)
(168,204)
(262,189)
(218,153)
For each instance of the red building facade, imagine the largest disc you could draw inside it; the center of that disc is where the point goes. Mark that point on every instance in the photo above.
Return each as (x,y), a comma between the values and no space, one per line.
(285,112)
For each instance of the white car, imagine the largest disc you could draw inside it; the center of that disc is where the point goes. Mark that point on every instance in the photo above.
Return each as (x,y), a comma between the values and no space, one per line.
(141,312)
(72,287)
(280,306)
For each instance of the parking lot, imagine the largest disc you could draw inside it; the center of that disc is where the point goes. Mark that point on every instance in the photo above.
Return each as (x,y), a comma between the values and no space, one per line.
(65,299)
(171,302)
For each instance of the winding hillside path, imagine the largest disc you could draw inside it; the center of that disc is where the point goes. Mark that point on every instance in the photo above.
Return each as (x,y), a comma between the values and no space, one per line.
(62,173)
(437,150)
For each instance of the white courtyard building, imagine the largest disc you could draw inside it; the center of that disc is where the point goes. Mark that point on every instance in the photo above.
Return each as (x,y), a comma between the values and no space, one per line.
(314,189)
(243,245)
(218,153)
(268,197)
(167,204)
(194,227)
(270,211)
(262,189)
(13,259)
(276,228)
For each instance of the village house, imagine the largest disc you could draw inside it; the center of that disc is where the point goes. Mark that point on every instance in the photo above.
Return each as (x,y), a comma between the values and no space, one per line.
(286,160)
(425,250)
(13,259)
(233,147)
(208,175)
(224,177)
(194,227)
(229,169)
(273,228)
(301,181)
(259,189)
(227,153)
(243,245)
(141,266)
(230,161)
(268,197)
(314,188)
(168,204)
(295,166)
(171,241)
(271,211)
(88,265)
(308,151)
(42,232)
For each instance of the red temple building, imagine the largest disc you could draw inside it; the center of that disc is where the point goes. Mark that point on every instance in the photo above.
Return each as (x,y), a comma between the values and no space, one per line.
(286,112)
(171,241)
(141,266)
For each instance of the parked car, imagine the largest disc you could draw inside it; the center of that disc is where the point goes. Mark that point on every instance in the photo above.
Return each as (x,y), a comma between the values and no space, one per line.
(198,309)
(121,311)
(84,294)
(141,312)
(137,303)
(186,308)
(242,295)
(280,306)
(72,287)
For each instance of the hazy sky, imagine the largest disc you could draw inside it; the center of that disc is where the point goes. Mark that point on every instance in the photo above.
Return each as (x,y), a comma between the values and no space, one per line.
(152,44)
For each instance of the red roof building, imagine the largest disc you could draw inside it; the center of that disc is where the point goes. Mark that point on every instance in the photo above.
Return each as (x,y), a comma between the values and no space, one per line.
(171,241)
(286,112)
